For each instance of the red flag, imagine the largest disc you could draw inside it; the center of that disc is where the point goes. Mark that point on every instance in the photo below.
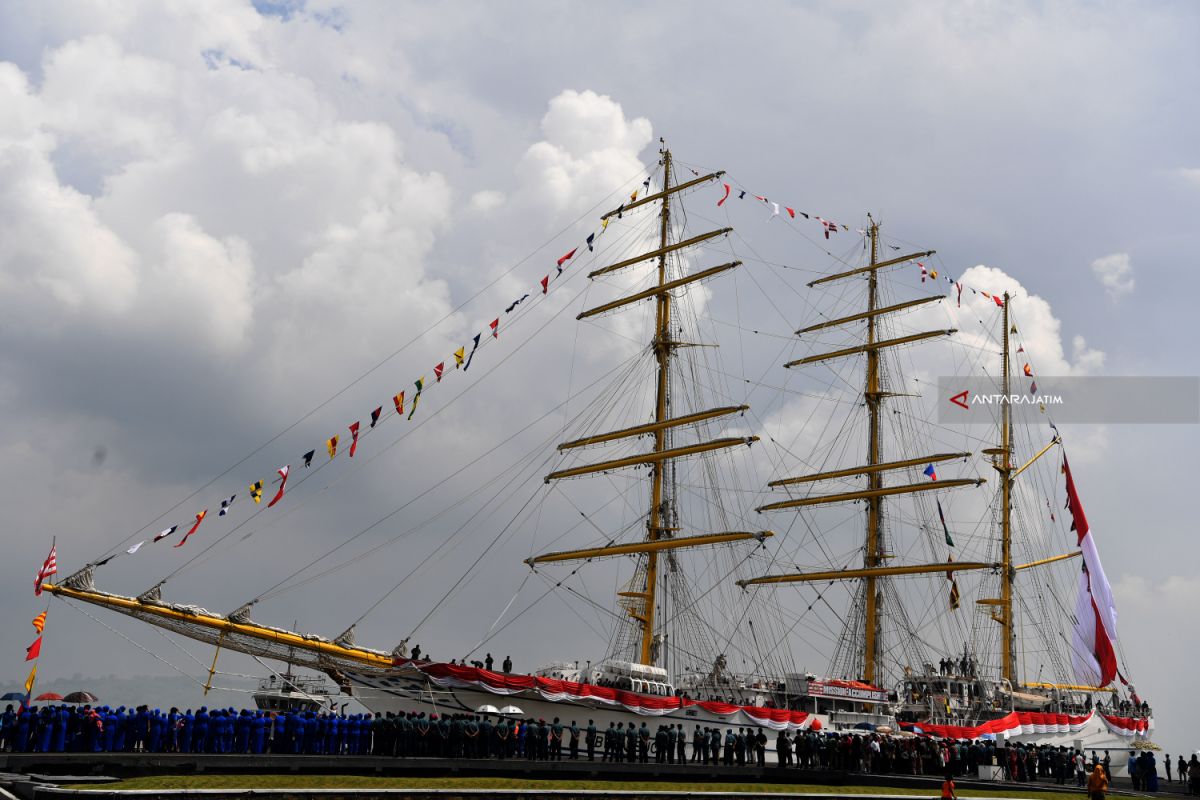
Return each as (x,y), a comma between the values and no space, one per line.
(999,301)
(437,371)
(199,519)
(721,202)
(545,284)
(1028,372)
(568,256)
(959,287)
(375,415)
(791,212)
(34,650)
(399,401)
(353,445)
(763,199)
(283,475)
(49,567)
(495,326)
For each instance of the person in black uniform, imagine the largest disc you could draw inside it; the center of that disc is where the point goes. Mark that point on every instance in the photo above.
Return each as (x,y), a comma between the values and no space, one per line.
(681,744)
(507,664)
(661,743)
(487,662)
(574,741)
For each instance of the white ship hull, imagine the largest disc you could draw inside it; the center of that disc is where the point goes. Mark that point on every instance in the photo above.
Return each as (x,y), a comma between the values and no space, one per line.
(403,692)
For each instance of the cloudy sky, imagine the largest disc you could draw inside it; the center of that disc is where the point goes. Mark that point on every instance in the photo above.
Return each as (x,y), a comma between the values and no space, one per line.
(218,216)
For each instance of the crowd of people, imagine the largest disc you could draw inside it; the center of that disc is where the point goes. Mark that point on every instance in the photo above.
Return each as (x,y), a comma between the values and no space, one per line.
(71,728)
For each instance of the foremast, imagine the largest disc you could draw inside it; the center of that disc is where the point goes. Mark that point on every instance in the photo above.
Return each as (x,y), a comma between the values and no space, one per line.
(641,601)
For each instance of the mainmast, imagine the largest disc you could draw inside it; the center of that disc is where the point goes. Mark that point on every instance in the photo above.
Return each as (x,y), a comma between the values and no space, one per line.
(873,555)
(874,551)
(1008,661)
(642,601)
(662,352)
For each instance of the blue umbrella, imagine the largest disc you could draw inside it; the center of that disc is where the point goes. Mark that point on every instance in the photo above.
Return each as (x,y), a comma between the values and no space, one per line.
(12,696)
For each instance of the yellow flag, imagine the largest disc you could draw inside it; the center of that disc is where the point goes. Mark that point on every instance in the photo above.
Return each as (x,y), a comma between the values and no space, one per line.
(460,355)
(331,446)
(633,197)
(39,622)
(30,679)
(256,491)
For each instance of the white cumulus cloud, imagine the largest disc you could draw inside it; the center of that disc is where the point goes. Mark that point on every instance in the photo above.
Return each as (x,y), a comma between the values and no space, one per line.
(1115,273)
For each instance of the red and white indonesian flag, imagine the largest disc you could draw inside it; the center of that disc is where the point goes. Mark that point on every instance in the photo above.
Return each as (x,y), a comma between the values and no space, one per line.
(1092,653)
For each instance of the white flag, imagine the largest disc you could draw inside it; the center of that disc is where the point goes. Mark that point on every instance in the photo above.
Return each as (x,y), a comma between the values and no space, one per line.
(136,547)
(225,504)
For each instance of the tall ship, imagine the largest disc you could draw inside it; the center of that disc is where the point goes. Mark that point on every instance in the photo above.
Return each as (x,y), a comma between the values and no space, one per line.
(732,549)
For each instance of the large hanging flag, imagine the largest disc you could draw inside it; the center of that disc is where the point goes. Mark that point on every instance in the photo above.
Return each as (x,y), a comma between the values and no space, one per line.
(34,650)
(165,532)
(39,622)
(136,547)
(353,438)
(437,372)
(495,326)
(945,529)
(460,355)
(1092,652)
(567,257)
(954,596)
(225,504)
(49,567)
(473,349)
(399,401)
(420,383)
(930,472)
(283,476)
(308,457)
(256,491)
(331,446)
(199,518)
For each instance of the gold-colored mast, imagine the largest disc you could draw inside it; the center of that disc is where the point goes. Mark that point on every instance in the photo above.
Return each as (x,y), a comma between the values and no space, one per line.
(641,602)
(1008,666)
(662,351)
(874,548)
(874,545)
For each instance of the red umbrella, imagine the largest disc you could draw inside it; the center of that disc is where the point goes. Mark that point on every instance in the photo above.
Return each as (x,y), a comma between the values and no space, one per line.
(49,696)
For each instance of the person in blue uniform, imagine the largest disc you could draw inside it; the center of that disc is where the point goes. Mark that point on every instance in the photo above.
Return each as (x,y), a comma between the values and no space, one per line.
(156,731)
(62,721)
(171,732)
(118,723)
(258,733)
(185,732)
(200,731)
(573,742)
(8,725)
